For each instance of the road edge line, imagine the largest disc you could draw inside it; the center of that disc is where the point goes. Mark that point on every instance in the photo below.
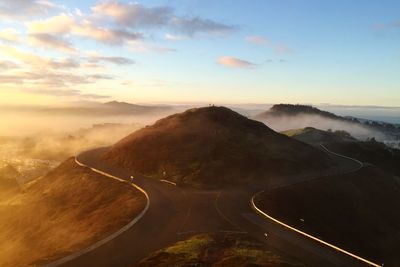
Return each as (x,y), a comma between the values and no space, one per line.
(168,182)
(342,156)
(110,237)
(259,211)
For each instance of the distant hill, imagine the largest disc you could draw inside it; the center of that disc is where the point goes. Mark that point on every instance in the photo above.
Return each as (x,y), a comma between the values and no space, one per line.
(369,151)
(113,108)
(127,108)
(294,110)
(315,136)
(213,147)
(286,116)
(66,210)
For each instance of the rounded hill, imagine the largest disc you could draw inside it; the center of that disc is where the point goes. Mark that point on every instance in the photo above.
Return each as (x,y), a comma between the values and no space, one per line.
(315,136)
(212,147)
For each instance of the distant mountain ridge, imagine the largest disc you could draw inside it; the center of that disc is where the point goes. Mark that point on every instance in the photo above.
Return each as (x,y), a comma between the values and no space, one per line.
(112,108)
(280,111)
(128,107)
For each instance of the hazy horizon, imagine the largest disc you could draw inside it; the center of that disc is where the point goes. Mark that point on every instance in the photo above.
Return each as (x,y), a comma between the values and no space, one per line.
(26,120)
(199,51)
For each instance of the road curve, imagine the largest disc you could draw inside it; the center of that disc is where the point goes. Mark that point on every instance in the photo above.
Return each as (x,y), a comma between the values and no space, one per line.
(174,214)
(110,237)
(259,211)
(265,215)
(343,156)
(177,212)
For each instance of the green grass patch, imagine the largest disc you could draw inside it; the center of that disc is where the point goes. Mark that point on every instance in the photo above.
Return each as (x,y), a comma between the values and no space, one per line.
(218,250)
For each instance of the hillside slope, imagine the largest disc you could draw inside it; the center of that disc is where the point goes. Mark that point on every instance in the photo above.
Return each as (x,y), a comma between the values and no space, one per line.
(213,146)
(315,136)
(371,152)
(356,211)
(8,181)
(66,210)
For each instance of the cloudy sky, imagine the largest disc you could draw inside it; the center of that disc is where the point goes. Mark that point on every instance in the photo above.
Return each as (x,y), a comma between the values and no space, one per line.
(257,51)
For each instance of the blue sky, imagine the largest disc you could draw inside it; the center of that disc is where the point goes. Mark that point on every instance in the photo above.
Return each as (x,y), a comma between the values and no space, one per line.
(338,52)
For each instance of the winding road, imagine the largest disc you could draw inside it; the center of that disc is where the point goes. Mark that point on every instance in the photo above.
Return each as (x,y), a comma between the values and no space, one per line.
(177,212)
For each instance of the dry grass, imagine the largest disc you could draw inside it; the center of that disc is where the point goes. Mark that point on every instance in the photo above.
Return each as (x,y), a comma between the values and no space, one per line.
(64,211)
(218,250)
(213,147)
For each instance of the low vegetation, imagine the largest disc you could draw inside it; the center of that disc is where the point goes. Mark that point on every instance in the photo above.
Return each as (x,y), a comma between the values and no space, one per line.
(64,211)
(315,136)
(213,147)
(218,250)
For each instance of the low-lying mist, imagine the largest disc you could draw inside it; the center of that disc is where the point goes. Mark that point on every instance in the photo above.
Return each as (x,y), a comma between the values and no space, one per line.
(282,123)
(34,143)
(22,124)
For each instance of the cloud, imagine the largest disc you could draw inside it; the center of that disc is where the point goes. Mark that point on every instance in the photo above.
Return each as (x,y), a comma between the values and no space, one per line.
(67,92)
(172,37)
(233,62)
(64,24)
(35,61)
(24,57)
(395,24)
(9,35)
(24,9)
(108,22)
(105,35)
(60,24)
(282,49)
(133,14)
(118,23)
(197,25)
(63,64)
(257,39)
(386,26)
(45,40)
(7,65)
(145,47)
(43,75)
(49,80)
(114,60)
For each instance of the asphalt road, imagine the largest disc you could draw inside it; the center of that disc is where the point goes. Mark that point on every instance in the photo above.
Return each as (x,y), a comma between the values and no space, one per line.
(176,213)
